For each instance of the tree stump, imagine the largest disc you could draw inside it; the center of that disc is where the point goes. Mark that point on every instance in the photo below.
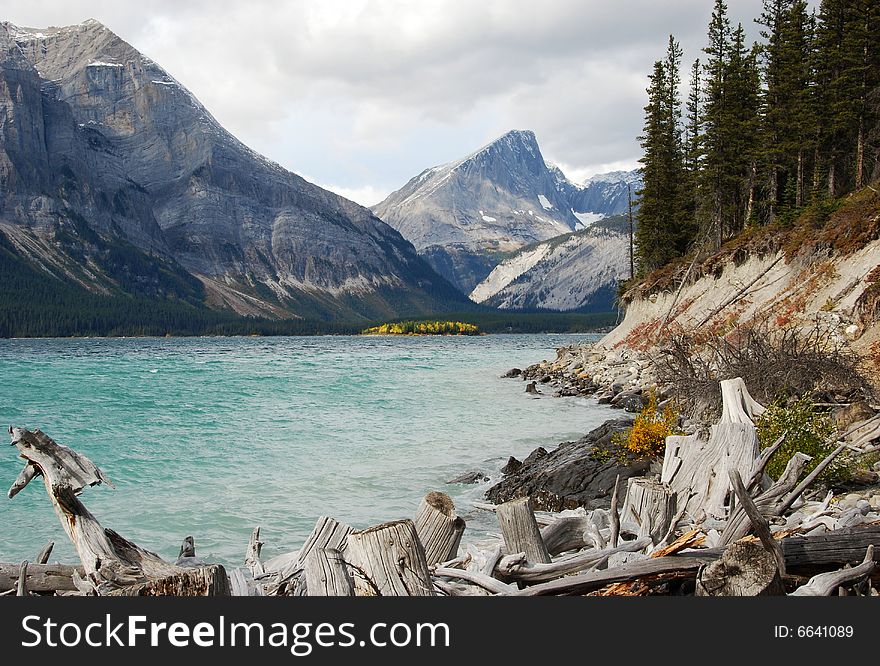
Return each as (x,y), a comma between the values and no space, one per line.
(438,527)
(520,530)
(326,574)
(389,560)
(745,569)
(210,581)
(649,504)
(327,533)
(698,467)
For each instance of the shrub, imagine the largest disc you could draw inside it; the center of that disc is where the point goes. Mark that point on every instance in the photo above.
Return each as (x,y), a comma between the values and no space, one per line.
(806,431)
(647,435)
(774,362)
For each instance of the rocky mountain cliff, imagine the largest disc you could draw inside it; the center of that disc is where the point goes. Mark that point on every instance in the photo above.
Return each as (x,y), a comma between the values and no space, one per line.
(467,216)
(576,271)
(113,176)
(463,216)
(607,194)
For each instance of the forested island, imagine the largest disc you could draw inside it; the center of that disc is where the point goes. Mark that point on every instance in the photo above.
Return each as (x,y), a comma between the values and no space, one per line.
(423,328)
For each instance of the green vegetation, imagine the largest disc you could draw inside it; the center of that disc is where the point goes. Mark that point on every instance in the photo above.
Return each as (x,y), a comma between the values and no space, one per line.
(805,430)
(35,304)
(423,328)
(771,131)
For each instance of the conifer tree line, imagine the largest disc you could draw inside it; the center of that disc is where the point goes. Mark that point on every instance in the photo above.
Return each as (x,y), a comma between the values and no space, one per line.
(765,129)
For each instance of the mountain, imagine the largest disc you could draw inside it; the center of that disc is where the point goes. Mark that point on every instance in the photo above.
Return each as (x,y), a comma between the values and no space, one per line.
(115,178)
(463,216)
(576,271)
(606,194)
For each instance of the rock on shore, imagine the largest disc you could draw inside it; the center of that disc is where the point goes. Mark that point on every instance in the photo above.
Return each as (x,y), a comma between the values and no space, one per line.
(575,474)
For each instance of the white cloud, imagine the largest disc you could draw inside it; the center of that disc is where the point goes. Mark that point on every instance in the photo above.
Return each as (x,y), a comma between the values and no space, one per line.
(367,93)
(366,195)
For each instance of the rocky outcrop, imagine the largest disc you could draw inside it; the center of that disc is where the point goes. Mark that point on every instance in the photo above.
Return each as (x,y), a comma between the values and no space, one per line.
(575,474)
(102,151)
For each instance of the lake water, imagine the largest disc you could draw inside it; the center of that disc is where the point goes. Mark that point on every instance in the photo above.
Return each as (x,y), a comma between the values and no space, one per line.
(213,436)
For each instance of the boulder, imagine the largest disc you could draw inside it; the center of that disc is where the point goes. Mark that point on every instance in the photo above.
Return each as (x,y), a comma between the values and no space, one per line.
(575,474)
(513,372)
(469,477)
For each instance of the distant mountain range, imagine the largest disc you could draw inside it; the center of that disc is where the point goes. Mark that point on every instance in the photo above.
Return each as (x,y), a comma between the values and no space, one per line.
(117,184)
(468,217)
(114,179)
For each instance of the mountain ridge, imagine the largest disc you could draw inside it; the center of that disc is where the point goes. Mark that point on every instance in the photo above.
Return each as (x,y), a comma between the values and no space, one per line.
(467,216)
(99,139)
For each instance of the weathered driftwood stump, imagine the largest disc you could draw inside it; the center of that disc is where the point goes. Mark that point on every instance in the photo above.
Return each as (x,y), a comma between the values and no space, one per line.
(438,527)
(520,530)
(209,581)
(698,467)
(110,562)
(389,560)
(327,533)
(649,504)
(326,574)
(745,569)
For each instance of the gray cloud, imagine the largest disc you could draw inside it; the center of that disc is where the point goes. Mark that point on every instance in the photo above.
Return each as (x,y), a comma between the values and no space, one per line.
(363,94)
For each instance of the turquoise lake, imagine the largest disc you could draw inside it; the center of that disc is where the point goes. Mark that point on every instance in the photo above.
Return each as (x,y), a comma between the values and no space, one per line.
(213,436)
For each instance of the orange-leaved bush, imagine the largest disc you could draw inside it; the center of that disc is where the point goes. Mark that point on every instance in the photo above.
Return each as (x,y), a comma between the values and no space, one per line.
(647,435)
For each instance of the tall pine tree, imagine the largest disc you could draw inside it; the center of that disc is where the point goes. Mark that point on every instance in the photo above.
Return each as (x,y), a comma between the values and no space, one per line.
(664,228)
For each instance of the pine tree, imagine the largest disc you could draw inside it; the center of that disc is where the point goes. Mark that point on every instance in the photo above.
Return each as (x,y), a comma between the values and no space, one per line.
(664,230)
(651,238)
(693,129)
(693,141)
(740,125)
(714,172)
(862,60)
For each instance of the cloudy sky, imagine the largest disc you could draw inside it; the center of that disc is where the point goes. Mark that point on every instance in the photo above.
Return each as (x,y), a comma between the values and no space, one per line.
(361,95)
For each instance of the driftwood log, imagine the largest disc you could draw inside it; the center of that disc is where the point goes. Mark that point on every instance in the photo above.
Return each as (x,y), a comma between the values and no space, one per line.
(590,582)
(520,569)
(438,527)
(21,585)
(565,534)
(768,503)
(825,584)
(209,581)
(110,562)
(389,560)
(520,530)
(41,578)
(43,555)
(758,521)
